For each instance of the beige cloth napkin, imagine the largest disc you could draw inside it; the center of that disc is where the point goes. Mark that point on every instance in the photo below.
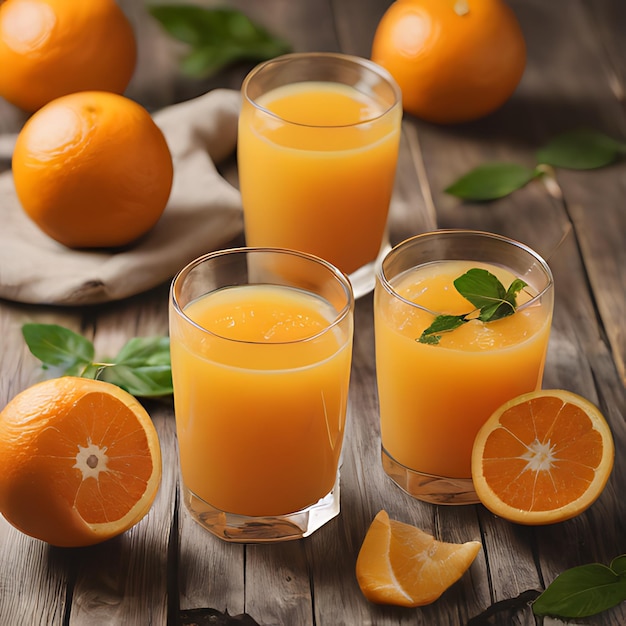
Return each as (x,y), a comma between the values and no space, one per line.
(203,214)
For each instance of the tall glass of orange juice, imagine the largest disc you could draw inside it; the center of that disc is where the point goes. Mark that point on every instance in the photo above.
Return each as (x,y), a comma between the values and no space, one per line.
(261,346)
(437,388)
(317,151)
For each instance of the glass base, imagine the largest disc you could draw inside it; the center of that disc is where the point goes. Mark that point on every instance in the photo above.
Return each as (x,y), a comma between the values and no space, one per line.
(363,280)
(429,488)
(266,529)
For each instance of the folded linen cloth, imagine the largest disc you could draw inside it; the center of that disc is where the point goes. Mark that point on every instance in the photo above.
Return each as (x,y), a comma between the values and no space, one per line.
(203,214)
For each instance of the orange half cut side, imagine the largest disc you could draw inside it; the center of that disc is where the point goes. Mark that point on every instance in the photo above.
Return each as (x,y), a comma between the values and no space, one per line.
(543,457)
(80,461)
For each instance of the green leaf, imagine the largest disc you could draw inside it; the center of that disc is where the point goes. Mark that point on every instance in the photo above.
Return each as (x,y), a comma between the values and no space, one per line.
(60,347)
(142,367)
(481,288)
(145,381)
(144,351)
(618,565)
(581,150)
(514,288)
(510,299)
(217,37)
(441,324)
(488,295)
(582,591)
(492,181)
(507,307)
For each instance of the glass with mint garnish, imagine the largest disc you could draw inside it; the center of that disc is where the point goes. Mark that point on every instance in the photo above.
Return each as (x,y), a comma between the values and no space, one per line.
(462,320)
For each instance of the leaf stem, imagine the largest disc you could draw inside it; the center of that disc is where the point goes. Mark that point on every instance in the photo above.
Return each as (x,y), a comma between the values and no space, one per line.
(547,174)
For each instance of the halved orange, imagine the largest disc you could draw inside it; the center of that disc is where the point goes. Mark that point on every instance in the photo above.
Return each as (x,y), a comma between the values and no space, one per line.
(400,564)
(543,457)
(80,461)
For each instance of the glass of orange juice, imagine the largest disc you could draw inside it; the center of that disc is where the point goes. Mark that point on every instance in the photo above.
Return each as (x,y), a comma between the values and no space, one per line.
(317,151)
(437,389)
(261,347)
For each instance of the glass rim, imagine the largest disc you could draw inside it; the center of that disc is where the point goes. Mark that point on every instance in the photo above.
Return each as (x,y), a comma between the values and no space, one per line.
(337,274)
(460,232)
(362,62)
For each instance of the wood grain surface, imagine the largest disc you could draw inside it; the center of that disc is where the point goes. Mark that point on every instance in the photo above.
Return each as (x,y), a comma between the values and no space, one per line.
(167,570)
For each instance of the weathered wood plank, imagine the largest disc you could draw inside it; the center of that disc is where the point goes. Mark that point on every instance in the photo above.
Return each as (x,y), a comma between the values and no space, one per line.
(32,581)
(583,88)
(537,110)
(211,573)
(167,563)
(278,590)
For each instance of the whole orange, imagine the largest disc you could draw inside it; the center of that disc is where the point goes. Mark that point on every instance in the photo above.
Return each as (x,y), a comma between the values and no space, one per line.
(80,461)
(49,48)
(92,170)
(455,60)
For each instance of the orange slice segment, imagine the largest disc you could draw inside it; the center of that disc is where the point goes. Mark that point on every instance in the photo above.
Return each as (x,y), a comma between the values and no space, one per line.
(543,457)
(402,565)
(80,461)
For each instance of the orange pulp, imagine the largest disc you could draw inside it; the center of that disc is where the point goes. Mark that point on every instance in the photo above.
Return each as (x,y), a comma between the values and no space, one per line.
(315,174)
(434,398)
(260,396)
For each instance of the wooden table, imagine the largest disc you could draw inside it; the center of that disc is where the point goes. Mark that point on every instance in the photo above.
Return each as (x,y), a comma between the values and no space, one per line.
(167,569)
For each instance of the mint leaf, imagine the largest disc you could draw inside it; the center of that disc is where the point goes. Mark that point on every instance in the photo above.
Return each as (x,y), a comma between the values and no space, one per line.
(59,347)
(618,565)
(480,287)
(441,324)
(142,367)
(581,150)
(582,591)
(514,288)
(144,351)
(488,295)
(492,181)
(507,307)
(217,37)
(145,381)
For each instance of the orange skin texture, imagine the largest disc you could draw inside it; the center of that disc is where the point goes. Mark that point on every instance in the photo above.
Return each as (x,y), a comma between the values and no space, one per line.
(50,48)
(451,66)
(92,170)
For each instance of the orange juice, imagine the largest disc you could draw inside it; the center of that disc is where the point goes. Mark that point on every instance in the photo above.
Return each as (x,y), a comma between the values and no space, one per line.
(434,398)
(261,394)
(317,163)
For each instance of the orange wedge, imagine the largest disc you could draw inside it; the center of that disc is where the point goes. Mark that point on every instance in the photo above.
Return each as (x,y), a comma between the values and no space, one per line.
(80,461)
(402,565)
(543,457)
